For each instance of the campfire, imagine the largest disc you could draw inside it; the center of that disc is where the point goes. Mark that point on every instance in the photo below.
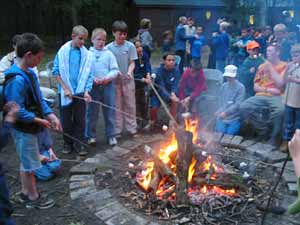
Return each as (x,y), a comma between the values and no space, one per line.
(179,171)
(182,180)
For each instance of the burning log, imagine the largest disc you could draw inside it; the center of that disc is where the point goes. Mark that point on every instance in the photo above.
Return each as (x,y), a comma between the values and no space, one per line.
(156,178)
(162,168)
(225,180)
(183,161)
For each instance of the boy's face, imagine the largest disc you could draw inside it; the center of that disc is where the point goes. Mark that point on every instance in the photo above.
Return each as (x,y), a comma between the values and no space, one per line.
(244,33)
(78,40)
(199,30)
(170,62)
(32,60)
(253,51)
(295,56)
(120,36)
(139,48)
(99,41)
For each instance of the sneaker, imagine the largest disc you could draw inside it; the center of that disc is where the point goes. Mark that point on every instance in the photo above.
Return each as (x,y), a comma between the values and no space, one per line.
(43,202)
(20,198)
(82,151)
(67,149)
(92,141)
(112,141)
(284,146)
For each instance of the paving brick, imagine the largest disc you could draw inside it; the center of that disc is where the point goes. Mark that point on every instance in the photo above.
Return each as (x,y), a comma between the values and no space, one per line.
(246,144)
(126,218)
(292,188)
(260,150)
(289,177)
(276,157)
(236,141)
(78,193)
(75,178)
(109,210)
(226,139)
(289,166)
(217,137)
(98,200)
(81,184)
(83,168)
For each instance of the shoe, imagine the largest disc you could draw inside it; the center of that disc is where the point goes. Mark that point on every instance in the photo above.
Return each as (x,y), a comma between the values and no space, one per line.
(82,151)
(92,141)
(135,135)
(43,202)
(118,136)
(67,149)
(112,141)
(149,127)
(284,146)
(295,207)
(20,198)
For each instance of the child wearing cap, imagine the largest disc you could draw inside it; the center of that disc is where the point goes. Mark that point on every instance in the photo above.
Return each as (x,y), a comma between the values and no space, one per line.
(249,67)
(231,95)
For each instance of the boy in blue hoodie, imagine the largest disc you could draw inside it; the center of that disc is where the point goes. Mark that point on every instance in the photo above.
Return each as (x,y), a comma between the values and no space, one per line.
(21,86)
(166,81)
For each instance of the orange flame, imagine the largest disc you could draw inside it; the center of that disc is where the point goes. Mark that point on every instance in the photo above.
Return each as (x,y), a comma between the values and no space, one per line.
(191,169)
(146,176)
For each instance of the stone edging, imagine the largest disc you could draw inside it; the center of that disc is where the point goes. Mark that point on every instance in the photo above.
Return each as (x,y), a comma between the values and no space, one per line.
(107,208)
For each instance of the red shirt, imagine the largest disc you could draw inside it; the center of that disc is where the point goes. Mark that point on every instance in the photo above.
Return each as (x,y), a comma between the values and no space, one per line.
(190,85)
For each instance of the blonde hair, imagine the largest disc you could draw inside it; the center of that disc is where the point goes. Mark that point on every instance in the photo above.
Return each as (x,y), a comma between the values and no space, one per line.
(181,19)
(145,23)
(98,31)
(279,28)
(79,29)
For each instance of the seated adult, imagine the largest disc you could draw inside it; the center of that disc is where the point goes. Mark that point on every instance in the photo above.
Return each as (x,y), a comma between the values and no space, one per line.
(166,82)
(268,95)
(191,85)
(231,95)
(249,68)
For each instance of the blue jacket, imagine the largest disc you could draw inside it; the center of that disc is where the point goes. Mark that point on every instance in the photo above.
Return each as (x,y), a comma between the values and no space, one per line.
(221,44)
(180,38)
(167,81)
(19,89)
(142,67)
(196,46)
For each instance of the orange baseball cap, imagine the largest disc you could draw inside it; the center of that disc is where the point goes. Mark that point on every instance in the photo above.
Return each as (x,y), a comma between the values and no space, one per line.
(252,45)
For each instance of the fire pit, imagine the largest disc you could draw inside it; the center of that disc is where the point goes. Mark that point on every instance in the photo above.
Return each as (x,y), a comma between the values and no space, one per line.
(179,181)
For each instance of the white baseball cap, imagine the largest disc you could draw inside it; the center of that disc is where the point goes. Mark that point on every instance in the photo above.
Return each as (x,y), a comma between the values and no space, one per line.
(230,71)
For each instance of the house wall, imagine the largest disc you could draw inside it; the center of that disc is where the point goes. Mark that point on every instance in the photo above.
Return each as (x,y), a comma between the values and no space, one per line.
(167,18)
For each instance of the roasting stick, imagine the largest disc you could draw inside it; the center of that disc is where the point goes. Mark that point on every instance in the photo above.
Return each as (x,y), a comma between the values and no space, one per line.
(163,104)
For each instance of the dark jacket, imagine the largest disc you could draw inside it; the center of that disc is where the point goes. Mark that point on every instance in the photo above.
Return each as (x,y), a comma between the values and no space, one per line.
(167,81)
(24,89)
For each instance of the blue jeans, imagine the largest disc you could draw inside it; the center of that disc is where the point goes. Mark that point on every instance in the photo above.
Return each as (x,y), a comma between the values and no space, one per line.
(27,149)
(106,95)
(220,65)
(291,122)
(5,206)
(45,140)
(232,127)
